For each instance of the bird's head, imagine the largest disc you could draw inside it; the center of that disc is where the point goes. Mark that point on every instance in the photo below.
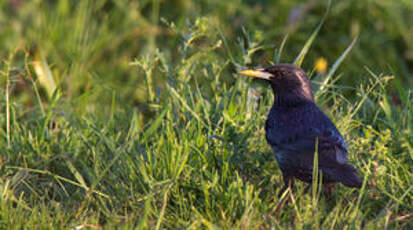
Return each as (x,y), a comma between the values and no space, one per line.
(288,81)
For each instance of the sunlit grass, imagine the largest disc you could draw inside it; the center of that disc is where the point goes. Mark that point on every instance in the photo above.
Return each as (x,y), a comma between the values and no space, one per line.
(170,137)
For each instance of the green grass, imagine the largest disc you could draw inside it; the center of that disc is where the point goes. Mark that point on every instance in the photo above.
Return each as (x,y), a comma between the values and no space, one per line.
(130,114)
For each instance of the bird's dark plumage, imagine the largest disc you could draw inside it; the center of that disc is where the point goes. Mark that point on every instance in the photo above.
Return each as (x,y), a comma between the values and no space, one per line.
(295,124)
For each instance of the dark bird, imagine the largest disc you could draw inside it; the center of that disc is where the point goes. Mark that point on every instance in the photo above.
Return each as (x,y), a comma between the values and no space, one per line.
(295,127)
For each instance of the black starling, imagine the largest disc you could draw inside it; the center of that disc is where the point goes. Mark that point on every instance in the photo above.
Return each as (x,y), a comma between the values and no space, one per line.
(295,124)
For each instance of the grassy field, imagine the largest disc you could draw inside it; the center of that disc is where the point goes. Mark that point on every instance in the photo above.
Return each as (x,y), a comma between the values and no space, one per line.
(129,114)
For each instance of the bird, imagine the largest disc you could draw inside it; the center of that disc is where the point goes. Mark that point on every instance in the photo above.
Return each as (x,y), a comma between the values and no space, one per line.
(296,128)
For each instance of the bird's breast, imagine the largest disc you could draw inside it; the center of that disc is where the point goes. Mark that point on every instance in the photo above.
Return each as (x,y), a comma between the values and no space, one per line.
(282,124)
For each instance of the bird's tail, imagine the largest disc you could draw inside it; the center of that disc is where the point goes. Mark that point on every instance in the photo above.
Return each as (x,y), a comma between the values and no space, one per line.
(347,175)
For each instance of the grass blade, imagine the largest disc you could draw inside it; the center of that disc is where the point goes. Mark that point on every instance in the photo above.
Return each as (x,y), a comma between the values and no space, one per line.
(155,124)
(277,54)
(300,58)
(336,65)
(44,74)
(185,105)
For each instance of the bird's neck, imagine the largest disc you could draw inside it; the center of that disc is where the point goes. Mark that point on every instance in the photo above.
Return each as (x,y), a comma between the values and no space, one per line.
(292,98)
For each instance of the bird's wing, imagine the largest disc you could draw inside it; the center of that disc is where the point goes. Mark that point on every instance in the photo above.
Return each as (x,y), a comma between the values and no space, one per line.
(330,145)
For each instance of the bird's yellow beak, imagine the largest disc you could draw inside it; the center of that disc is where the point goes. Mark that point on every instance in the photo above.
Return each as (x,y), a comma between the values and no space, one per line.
(258,73)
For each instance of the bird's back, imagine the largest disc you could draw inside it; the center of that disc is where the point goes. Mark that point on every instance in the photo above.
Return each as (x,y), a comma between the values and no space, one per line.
(294,132)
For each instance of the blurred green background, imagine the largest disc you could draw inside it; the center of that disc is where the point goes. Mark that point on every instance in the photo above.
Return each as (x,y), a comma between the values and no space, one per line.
(88,46)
